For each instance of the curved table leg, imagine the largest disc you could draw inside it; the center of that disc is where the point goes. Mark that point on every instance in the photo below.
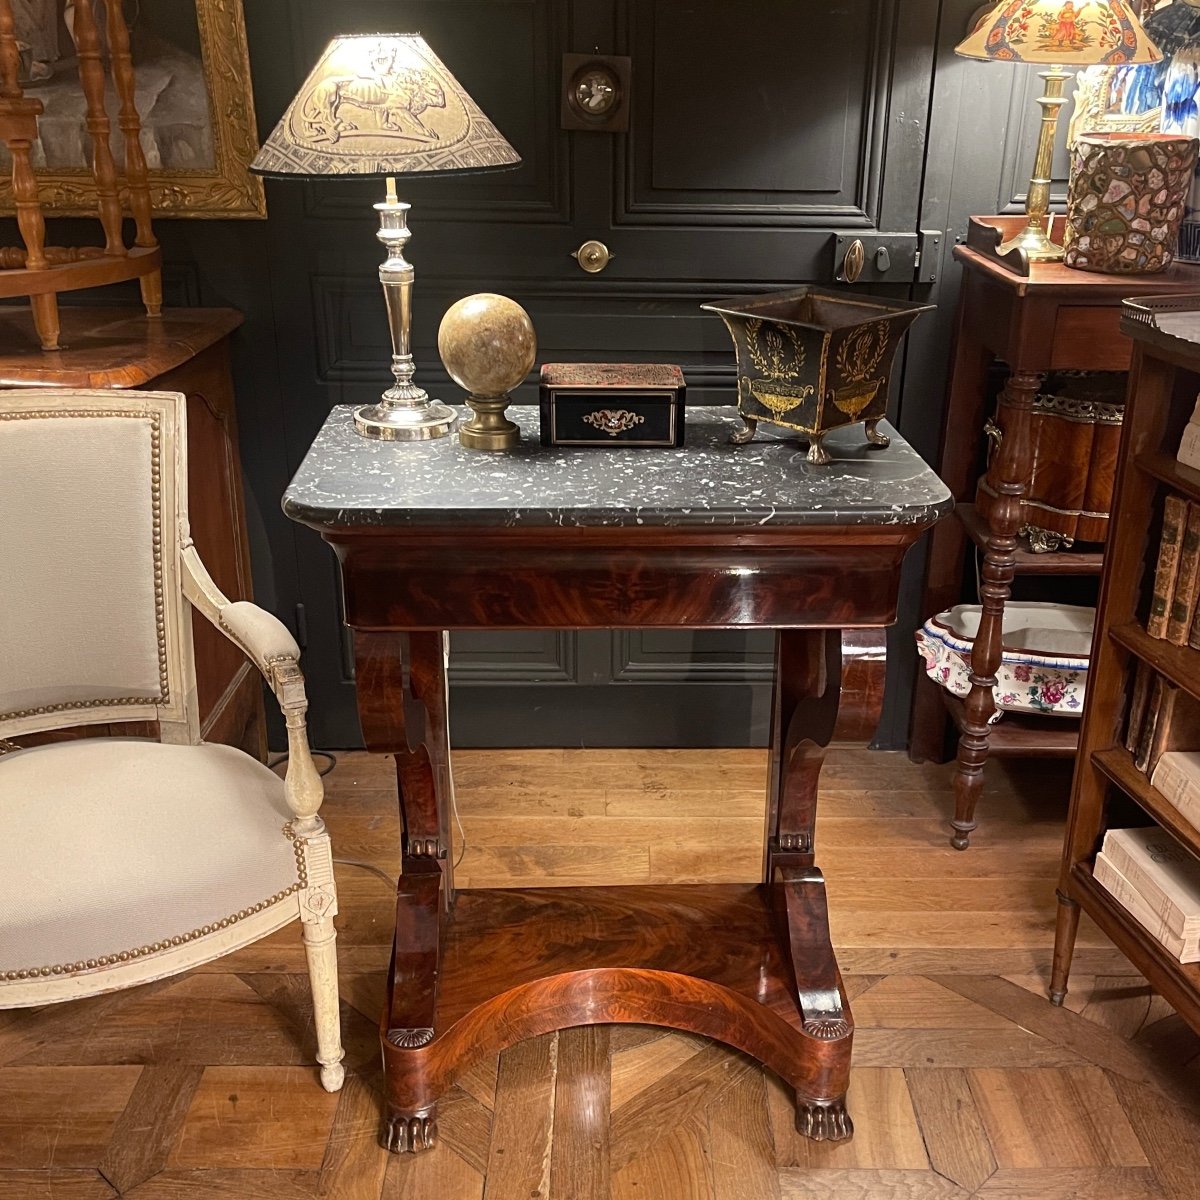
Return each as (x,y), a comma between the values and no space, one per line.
(401,680)
(808,675)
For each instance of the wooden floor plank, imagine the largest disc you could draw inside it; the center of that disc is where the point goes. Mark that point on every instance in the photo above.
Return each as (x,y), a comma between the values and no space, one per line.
(579,1164)
(679,1097)
(258,1117)
(1007,1047)
(1169,1136)
(60,1116)
(1104,1183)
(1054,1117)
(851,1184)
(53,1185)
(642,1066)
(149,1126)
(914,1002)
(355,1162)
(522,1129)
(465,1127)
(742,1150)
(440,1175)
(955,1137)
(1074,1032)
(671,1167)
(228,1184)
(886,1134)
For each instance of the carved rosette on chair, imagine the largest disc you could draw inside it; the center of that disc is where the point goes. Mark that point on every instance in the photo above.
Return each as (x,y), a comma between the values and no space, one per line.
(1126,201)
(40,271)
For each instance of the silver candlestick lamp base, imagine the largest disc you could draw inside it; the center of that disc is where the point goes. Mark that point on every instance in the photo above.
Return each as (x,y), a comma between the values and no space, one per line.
(404,412)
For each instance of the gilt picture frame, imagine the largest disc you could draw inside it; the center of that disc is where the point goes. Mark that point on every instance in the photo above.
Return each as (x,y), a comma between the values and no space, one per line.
(194,98)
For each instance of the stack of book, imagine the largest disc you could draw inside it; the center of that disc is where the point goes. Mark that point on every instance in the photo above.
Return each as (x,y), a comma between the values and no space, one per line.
(1157,882)
(1173,607)
(1177,778)
(1162,718)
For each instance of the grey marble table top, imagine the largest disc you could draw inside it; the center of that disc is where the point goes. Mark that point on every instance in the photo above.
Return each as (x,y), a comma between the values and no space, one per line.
(347,480)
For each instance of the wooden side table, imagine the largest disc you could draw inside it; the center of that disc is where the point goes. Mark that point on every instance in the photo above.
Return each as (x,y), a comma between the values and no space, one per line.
(1053,318)
(185,350)
(433,537)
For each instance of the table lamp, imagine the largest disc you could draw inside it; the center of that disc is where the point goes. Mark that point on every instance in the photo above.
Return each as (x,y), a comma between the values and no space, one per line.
(1058,32)
(379,106)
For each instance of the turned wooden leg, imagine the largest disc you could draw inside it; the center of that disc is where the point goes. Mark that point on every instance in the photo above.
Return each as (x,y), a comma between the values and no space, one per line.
(1008,477)
(874,436)
(1065,928)
(401,680)
(46,320)
(152,292)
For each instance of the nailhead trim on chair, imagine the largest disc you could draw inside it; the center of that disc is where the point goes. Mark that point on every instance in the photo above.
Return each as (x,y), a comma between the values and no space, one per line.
(164,682)
(109,960)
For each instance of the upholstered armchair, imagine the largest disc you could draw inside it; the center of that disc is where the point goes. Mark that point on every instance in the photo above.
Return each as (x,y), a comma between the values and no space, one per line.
(125,860)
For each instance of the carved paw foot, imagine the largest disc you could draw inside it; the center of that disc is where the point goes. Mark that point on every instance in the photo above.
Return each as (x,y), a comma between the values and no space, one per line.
(823,1120)
(875,437)
(817,454)
(408,1133)
(740,437)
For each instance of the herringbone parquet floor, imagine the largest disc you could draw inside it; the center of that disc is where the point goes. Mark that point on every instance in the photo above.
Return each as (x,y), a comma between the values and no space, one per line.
(966,1081)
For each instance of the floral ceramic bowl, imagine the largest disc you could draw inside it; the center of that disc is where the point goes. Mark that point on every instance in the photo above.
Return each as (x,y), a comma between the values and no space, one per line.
(1044,663)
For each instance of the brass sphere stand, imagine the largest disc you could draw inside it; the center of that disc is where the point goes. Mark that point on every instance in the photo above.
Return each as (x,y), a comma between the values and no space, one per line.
(489,428)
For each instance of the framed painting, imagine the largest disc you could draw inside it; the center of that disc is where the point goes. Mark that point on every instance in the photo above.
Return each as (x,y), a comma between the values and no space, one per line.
(193,96)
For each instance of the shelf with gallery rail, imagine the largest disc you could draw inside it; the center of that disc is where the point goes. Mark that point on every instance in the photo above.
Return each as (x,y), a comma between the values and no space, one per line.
(1029,562)
(1168,470)
(1178,982)
(1117,765)
(1179,664)
(1023,735)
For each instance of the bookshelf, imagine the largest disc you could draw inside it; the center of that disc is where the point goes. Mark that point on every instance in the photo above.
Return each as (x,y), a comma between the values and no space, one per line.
(1163,385)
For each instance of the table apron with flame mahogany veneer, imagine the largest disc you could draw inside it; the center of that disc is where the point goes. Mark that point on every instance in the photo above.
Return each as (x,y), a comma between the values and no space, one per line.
(433,537)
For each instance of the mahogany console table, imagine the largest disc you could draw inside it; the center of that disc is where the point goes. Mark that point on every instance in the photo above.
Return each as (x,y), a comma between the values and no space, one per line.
(433,537)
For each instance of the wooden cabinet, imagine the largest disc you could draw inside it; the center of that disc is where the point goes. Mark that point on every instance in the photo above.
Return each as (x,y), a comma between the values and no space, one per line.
(1164,381)
(185,350)
(1051,319)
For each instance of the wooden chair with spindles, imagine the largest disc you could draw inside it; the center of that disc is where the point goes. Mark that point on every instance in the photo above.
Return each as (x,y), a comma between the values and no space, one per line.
(40,271)
(127,860)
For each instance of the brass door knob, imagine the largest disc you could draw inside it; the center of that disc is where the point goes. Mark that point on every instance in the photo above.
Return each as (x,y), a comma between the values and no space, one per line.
(593,256)
(853,263)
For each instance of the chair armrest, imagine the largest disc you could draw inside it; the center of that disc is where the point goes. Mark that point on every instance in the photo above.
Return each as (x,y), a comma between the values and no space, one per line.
(266,642)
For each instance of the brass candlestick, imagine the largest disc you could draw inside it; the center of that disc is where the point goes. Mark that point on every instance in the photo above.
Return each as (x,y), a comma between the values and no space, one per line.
(1034,239)
(404,412)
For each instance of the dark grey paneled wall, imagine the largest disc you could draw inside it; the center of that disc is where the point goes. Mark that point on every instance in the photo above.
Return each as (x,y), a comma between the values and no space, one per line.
(971,166)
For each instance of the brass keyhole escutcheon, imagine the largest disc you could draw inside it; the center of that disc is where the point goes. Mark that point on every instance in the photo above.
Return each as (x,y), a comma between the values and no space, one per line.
(593,256)
(855,260)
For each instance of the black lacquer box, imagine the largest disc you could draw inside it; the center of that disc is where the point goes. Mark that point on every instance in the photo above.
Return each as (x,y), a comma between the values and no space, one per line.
(612,404)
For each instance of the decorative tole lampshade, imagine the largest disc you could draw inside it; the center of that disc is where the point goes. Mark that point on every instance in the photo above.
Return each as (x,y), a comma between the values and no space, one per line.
(1060,32)
(383,104)
(379,105)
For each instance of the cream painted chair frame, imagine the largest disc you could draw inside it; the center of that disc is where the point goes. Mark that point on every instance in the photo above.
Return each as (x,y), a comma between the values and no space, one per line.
(266,642)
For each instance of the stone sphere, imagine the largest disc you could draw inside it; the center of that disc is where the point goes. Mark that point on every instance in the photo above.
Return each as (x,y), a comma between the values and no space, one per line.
(487,344)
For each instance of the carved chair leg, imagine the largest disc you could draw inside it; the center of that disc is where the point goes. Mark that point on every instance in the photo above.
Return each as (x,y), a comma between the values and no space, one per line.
(1066,927)
(410,1132)
(46,320)
(152,293)
(739,437)
(320,950)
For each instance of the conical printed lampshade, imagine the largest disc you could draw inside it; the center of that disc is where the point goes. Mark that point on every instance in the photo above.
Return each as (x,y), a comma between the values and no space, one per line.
(382,104)
(1063,32)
